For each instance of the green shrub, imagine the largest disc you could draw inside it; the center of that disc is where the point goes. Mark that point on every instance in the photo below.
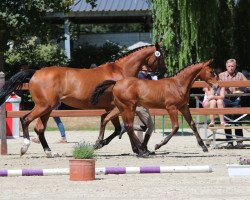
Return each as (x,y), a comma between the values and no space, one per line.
(35,55)
(83,150)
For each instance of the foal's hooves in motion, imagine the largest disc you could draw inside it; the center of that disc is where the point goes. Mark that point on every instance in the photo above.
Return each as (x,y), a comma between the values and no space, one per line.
(157,146)
(151,153)
(99,144)
(145,154)
(204,148)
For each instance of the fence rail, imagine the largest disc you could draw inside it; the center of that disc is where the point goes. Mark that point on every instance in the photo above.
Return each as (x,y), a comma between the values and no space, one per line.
(98,112)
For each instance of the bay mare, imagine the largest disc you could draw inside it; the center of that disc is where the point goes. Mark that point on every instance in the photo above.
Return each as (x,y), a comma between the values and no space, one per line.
(52,85)
(170,93)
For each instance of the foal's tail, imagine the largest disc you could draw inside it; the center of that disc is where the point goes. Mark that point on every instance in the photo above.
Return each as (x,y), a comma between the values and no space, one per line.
(100,89)
(14,83)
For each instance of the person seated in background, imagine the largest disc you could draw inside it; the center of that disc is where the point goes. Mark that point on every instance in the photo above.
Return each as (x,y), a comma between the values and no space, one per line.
(231,74)
(214,98)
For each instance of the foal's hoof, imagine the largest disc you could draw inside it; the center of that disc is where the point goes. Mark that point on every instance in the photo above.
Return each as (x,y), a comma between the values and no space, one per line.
(150,152)
(143,155)
(135,150)
(157,146)
(98,145)
(204,148)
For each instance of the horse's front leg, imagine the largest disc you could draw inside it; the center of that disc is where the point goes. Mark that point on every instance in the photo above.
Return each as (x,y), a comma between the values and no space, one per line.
(187,115)
(113,116)
(173,115)
(98,142)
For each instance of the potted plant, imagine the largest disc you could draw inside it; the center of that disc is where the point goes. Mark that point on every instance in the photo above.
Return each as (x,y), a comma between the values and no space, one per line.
(82,167)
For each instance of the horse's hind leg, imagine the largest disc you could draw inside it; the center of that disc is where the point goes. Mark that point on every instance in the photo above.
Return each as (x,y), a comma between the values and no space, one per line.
(186,113)
(36,112)
(173,114)
(40,129)
(26,141)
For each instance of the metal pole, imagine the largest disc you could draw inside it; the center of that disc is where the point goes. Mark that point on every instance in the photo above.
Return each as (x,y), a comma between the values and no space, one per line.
(67,40)
(163,123)
(3,145)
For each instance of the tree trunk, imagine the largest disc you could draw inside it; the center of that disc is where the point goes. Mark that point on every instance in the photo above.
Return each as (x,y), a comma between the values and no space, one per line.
(2,49)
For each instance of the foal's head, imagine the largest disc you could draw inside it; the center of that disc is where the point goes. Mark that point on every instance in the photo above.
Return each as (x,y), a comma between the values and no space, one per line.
(156,61)
(207,74)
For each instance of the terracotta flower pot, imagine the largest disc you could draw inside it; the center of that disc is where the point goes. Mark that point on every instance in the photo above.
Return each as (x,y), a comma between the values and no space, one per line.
(82,169)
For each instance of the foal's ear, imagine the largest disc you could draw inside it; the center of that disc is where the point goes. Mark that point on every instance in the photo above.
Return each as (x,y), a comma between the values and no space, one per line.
(209,62)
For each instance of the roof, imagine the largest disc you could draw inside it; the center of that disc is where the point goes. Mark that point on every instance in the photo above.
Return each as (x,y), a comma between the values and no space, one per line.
(107,11)
(111,5)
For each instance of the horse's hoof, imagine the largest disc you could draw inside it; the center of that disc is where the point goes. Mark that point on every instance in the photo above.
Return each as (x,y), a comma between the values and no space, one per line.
(48,153)
(25,147)
(55,154)
(23,150)
(157,146)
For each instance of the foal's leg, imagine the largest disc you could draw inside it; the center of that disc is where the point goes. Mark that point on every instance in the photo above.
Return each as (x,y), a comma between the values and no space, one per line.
(115,121)
(128,119)
(173,115)
(186,113)
(113,116)
(40,129)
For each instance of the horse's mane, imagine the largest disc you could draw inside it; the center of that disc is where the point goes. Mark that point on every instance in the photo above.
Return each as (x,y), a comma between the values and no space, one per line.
(184,68)
(129,52)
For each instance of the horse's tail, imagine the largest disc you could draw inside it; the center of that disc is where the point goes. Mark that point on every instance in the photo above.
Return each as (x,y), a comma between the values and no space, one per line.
(14,83)
(100,89)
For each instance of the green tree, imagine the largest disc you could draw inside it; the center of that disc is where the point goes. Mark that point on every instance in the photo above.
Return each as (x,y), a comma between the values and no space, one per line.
(194,30)
(35,54)
(19,19)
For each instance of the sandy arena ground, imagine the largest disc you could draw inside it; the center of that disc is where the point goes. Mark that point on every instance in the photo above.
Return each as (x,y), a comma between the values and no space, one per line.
(181,150)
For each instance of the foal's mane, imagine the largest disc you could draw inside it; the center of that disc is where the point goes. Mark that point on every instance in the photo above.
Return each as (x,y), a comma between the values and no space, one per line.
(131,51)
(184,68)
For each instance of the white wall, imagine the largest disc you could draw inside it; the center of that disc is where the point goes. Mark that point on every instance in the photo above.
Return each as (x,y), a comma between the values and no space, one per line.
(122,39)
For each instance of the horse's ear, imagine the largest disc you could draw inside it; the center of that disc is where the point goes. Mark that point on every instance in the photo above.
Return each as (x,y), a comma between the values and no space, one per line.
(158,45)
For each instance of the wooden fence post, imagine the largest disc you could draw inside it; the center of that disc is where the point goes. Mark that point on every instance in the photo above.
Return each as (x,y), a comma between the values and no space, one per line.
(3,145)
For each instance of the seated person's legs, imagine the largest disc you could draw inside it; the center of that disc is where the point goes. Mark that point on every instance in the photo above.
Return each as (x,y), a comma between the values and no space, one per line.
(233,103)
(210,104)
(220,104)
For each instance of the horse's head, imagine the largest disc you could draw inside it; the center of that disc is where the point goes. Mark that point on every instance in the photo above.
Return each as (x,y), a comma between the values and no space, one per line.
(156,62)
(207,74)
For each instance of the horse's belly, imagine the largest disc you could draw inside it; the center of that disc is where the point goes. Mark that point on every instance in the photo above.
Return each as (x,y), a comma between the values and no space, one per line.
(104,102)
